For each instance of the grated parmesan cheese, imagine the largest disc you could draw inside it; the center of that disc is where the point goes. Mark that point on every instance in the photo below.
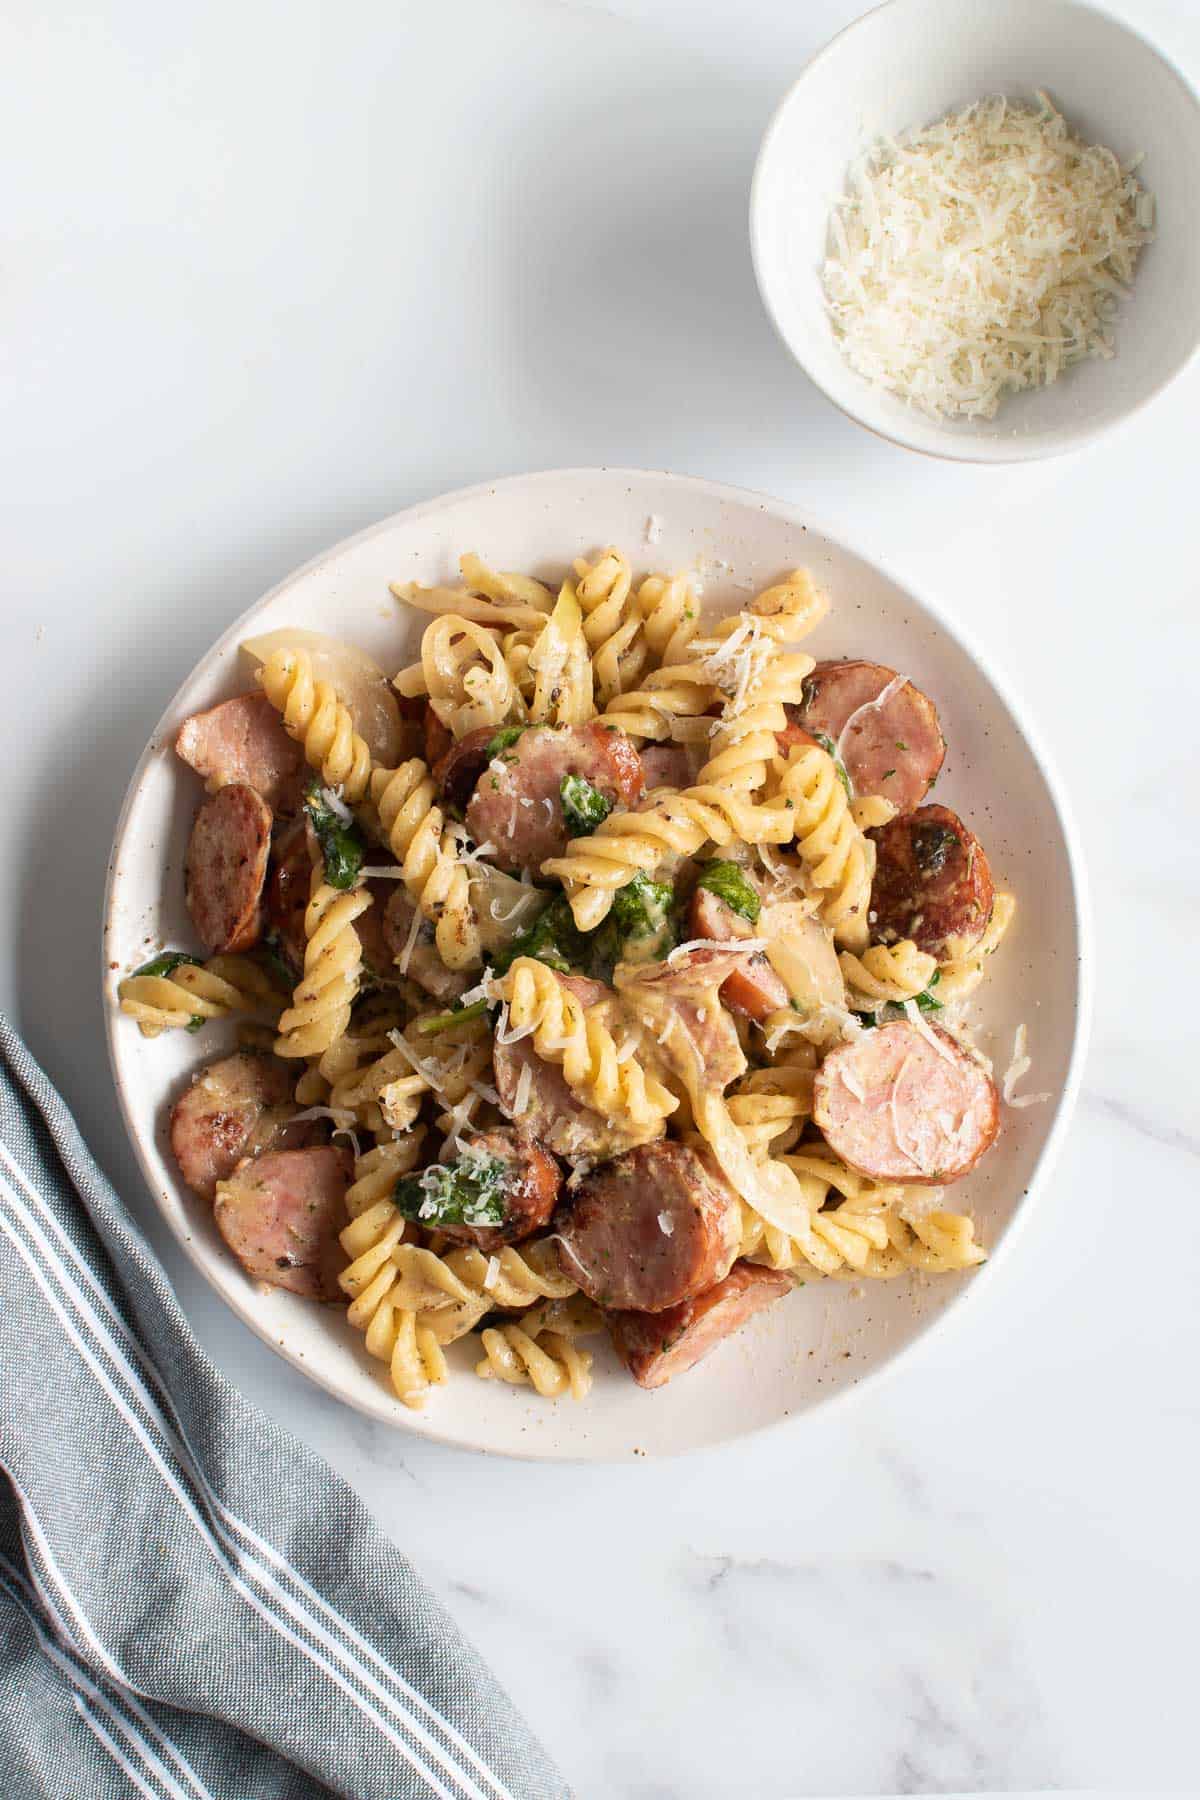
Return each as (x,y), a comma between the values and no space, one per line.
(750,946)
(1019,1066)
(981,255)
(524,1086)
(332,796)
(666,1224)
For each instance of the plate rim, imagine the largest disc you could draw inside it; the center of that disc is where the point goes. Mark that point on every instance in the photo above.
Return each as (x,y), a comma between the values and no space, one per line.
(835,532)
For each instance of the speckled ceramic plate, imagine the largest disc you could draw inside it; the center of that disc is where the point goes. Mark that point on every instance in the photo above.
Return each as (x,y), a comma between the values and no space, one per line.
(825,1339)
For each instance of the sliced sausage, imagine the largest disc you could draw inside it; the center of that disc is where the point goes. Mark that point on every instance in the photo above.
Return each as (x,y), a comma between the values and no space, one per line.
(530,1192)
(793,736)
(650,1229)
(895,749)
(754,988)
(233,1109)
(226,868)
(899,1107)
(459,767)
(517,803)
(666,766)
(281,1214)
(932,883)
(287,894)
(421,960)
(544,1104)
(655,1346)
(243,740)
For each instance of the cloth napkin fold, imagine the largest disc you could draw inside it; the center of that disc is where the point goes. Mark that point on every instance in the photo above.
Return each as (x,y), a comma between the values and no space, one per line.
(192,1605)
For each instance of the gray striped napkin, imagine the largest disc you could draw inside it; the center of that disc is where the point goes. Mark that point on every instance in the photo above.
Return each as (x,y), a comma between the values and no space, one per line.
(192,1605)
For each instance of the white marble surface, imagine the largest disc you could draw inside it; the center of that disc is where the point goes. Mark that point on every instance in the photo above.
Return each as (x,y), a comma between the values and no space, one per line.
(271,272)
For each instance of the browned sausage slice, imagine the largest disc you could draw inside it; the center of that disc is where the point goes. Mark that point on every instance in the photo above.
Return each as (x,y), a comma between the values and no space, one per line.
(416,955)
(650,1229)
(754,988)
(543,1103)
(666,765)
(231,1110)
(459,767)
(894,749)
(932,883)
(243,740)
(899,1107)
(281,1214)
(517,805)
(226,868)
(438,737)
(655,1346)
(530,1193)
(287,893)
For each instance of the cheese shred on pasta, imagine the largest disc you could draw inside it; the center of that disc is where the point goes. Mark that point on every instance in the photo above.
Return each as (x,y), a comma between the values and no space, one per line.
(983,254)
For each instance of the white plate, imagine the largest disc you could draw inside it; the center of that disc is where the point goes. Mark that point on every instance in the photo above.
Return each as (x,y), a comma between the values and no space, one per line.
(824,1339)
(906,64)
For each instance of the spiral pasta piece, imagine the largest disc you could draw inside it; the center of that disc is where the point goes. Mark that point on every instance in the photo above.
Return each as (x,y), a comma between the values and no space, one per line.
(377,1171)
(785,612)
(874,1231)
(769,1107)
(723,804)
(318,720)
(325,994)
(428,852)
(539,1349)
(199,991)
(957,980)
(465,676)
(487,596)
(612,623)
(668,700)
(671,612)
(887,972)
(540,1007)
(839,860)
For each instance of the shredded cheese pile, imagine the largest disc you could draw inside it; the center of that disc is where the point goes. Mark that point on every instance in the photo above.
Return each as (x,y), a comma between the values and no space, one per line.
(981,255)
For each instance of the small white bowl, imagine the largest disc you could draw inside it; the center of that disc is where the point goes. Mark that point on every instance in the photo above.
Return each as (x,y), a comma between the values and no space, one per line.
(906,64)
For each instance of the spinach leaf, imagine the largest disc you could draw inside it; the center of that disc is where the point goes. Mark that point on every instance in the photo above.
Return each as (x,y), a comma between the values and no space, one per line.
(553,938)
(504,739)
(583,806)
(640,927)
(827,744)
(468,1191)
(458,1015)
(730,884)
(342,844)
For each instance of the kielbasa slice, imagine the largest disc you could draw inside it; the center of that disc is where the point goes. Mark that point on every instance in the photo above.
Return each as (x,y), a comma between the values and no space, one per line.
(894,749)
(244,741)
(232,1110)
(655,1346)
(422,960)
(288,892)
(650,1229)
(544,1105)
(226,868)
(754,988)
(281,1214)
(932,883)
(666,766)
(438,737)
(458,769)
(531,1185)
(517,804)
(898,1107)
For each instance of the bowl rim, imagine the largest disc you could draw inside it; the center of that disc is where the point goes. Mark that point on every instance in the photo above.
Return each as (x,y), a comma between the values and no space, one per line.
(844,538)
(984,452)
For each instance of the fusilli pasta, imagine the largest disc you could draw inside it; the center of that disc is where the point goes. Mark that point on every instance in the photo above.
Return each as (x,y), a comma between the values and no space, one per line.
(320,1009)
(428,852)
(318,720)
(888,972)
(194,991)
(539,1349)
(541,1008)
(840,861)
(464,673)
